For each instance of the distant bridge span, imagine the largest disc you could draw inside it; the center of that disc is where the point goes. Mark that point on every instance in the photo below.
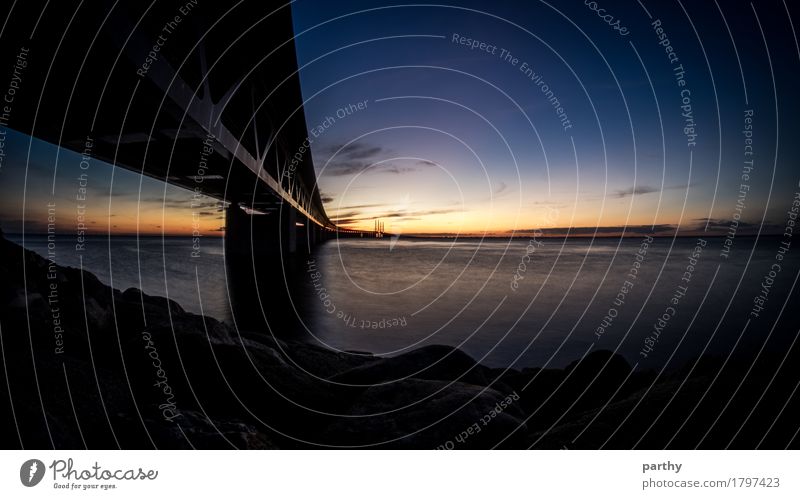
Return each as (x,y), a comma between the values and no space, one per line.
(203,95)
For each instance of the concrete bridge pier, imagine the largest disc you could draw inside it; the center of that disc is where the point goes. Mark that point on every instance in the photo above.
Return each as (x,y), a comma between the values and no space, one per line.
(265,262)
(284,231)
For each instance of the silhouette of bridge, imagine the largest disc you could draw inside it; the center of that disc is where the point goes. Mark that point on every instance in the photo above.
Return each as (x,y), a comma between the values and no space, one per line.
(203,95)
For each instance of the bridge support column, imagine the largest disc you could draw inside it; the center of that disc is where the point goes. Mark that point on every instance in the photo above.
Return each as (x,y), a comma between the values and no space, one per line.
(265,274)
(289,228)
(271,233)
(308,235)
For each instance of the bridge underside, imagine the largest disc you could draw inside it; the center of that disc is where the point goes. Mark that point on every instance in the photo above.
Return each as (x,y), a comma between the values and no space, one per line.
(203,95)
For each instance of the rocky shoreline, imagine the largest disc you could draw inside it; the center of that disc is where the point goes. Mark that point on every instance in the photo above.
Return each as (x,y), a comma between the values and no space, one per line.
(88,366)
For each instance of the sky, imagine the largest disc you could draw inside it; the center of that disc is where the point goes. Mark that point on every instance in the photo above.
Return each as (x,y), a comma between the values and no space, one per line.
(36,174)
(455,136)
(498,118)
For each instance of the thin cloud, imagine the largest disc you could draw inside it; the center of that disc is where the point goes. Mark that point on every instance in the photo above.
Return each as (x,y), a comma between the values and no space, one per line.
(343,169)
(397,170)
(636,190)
(346,221)
(352,159)
(355,150)
(721,223)
(180,203)
(644,189)
(588,231)
(347,214)
(360,206)
(360,217)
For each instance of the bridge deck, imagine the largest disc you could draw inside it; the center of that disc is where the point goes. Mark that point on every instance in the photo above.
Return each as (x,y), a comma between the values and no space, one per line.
(205,96)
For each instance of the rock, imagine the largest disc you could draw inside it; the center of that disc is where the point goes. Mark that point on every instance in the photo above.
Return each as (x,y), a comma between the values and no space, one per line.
(435,362)
(321,362)
(415,413)
(196,431)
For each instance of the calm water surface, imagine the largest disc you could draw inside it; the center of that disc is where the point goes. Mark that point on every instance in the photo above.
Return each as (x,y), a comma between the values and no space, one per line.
(516,304)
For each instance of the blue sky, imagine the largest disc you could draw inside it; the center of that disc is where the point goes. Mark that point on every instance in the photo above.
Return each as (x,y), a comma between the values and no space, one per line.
(493,137)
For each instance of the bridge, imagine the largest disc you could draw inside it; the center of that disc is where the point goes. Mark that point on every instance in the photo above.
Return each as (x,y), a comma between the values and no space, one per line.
(203,95)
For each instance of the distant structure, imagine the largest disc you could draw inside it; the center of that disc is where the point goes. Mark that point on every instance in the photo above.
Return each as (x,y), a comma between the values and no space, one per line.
(378,229)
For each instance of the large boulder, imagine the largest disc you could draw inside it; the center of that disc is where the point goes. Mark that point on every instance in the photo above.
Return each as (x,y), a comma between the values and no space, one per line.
(415,413)
(434,362)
